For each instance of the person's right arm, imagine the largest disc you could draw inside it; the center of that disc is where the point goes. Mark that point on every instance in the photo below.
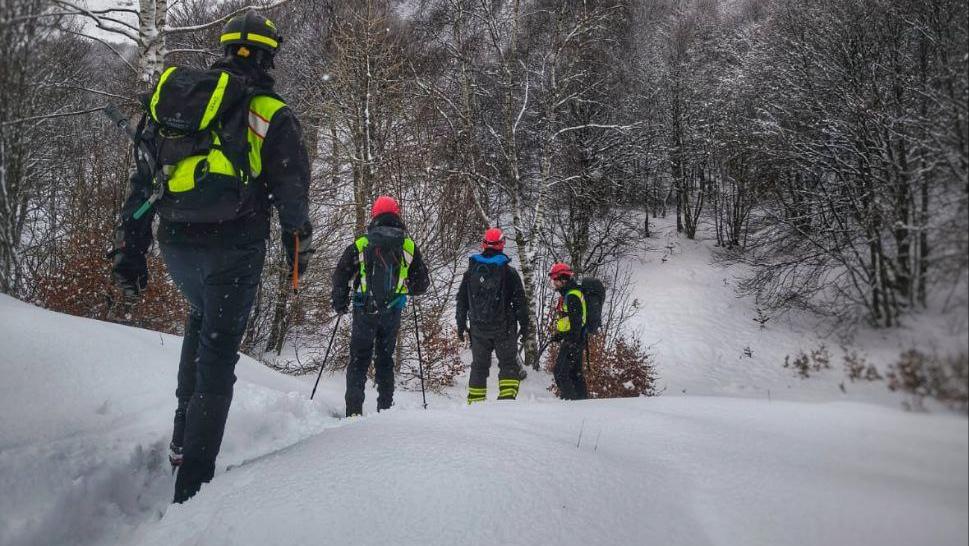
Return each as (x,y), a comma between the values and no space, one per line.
(346,270)
(133,237)
(461,309)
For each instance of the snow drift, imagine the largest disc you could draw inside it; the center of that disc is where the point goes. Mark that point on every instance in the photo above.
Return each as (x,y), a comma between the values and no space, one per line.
(85,410)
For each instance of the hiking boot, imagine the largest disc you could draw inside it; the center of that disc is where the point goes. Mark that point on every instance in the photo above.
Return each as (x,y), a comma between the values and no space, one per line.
(174,455)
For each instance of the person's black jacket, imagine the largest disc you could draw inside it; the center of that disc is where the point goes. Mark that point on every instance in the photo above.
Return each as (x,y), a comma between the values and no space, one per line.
(283,182)
(347,272)
(574,335)
(517,310)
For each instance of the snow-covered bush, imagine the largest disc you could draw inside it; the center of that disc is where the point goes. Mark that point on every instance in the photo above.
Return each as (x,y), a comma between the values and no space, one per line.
(943,379)
(621,369)
(857,368)
(439,351)
(78,283)
(806,364)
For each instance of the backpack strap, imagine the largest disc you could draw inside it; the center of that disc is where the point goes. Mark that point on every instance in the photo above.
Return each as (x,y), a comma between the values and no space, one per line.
(361,244)
(409,249)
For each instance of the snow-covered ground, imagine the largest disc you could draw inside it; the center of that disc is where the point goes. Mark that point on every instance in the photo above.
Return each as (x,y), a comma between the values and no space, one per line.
(707,342)
(86,408)
(85,414)
(674,471)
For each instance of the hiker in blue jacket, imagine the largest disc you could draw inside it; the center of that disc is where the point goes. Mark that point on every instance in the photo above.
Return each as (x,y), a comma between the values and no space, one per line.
(491,307)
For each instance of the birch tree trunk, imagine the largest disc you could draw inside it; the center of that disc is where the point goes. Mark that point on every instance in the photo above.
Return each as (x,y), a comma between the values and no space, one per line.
(152,17)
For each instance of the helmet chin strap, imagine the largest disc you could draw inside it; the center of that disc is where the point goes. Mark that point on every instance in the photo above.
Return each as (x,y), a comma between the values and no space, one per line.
(259,57)
(264,60)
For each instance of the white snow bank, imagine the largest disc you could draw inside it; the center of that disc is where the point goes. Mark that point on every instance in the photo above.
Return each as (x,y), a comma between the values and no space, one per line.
(673,471)
(85,419)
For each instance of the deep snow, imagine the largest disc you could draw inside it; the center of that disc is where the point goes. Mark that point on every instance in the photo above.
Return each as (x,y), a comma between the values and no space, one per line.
(86,407)
(85,414)
(680,471)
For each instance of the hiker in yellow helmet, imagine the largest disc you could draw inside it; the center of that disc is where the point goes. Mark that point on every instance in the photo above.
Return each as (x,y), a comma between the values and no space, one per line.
(217,147)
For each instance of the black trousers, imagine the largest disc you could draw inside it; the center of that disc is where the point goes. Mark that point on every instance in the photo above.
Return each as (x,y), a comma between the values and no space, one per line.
(505,346)
(373,338)
(220,285)
(569,377)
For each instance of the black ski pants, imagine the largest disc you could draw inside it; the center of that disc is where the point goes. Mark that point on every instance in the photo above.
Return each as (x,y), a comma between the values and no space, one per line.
(569,377)
(220,286)
(373,337)
(505,346)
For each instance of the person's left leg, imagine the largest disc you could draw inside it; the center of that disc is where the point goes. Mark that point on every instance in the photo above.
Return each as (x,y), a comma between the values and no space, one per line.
(506,348)
(577,374)
(562,372)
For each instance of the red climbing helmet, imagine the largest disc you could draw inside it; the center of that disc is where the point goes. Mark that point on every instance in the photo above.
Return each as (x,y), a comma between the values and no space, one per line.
(494,238)
(560,271)
(383,205)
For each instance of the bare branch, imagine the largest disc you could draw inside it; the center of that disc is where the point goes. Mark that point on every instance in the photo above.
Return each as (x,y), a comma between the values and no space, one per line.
(222,20)
(51,116)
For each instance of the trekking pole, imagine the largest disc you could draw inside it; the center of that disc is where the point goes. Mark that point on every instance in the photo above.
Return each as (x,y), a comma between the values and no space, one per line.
(420,358)
(296,263)
(327,357)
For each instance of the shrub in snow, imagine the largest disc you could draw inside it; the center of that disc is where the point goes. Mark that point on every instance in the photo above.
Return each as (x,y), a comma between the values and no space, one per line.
(806,364)
(857,368)
(79,284)
(620,368)
(921,376)
(440,351)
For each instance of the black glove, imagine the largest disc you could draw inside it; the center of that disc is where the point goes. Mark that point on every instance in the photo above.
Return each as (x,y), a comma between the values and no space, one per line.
(341,308)
(305,236)
(461,330)
(129,271)
(558,337)
(522,333)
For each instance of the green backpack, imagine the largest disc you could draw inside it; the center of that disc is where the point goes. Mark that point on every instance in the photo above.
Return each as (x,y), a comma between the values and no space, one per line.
(194,128)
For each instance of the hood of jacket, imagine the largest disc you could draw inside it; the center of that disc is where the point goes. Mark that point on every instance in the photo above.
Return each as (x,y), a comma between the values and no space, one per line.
(490,257)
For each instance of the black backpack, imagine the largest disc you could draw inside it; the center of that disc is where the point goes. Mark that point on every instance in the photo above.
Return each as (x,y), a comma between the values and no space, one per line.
(486,293)
(195,129)
(595,296)
(383,255)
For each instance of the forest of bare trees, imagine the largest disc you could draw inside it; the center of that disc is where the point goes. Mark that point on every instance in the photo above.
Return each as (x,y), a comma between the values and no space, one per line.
(823,143)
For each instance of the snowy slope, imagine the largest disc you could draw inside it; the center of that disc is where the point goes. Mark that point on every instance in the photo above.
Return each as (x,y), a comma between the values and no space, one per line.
(85,418)
(699,329)
(85,409)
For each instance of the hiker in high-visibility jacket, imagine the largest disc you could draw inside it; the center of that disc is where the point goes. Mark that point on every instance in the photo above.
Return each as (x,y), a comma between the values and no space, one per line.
(571,314)
(382,268)
(217,261)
